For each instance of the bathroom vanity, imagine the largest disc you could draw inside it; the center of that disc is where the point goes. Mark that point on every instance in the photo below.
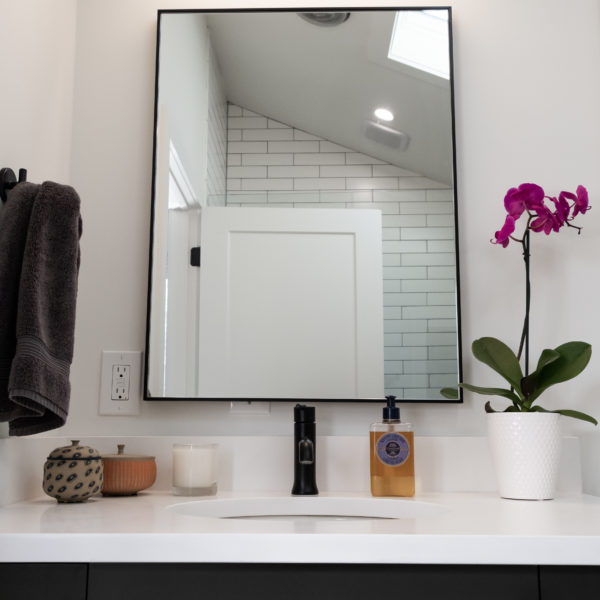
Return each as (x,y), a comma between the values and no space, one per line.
(452,544)
(456,537)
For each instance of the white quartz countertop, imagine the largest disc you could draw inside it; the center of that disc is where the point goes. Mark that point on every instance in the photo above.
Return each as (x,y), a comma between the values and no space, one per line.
(462,528)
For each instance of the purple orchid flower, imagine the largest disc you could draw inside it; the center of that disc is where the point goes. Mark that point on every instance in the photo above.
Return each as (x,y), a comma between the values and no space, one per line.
(545,221)
(563,208)
(503,236)
(528,196)
(581,201)
(531,198)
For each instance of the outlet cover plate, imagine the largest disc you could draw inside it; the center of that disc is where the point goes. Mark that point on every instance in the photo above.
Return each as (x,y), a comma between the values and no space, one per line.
(249,407)
(120,407)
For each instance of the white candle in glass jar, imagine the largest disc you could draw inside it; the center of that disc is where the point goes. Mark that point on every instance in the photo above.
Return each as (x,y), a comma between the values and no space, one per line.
(194,468)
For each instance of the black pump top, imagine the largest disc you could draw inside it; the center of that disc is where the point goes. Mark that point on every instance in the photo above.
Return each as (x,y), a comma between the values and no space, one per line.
(304,414)
(391,412)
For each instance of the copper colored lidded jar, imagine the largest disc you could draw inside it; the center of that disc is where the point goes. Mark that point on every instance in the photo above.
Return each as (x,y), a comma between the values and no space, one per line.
(127,474)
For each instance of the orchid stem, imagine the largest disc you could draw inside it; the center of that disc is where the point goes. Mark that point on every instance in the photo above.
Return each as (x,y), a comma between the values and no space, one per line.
(525,333)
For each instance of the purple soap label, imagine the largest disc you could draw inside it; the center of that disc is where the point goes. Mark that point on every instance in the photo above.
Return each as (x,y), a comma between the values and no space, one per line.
(393,449)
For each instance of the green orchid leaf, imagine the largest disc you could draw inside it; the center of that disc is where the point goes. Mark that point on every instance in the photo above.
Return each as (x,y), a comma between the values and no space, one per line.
(450,393)
(574,414)
(501,358)
(488,408)
(529,384)
(574,357)
(489,391)
(548,356)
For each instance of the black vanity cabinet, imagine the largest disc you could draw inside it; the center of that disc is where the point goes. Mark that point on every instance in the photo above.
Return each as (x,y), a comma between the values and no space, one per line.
(170,581)
(341,582)
(569,583)
(40,581)
(302,582)
(311,582)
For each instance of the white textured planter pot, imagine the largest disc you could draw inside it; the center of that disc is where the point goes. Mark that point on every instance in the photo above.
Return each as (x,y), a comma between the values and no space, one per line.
(526,452)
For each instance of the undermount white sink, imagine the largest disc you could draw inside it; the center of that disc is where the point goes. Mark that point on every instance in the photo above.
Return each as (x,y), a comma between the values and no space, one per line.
(311,507)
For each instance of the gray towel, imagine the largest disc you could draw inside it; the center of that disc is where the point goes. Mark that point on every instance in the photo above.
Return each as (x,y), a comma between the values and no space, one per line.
(40,227)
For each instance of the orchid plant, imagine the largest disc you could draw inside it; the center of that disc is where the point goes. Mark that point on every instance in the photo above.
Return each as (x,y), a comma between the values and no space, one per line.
(544,214)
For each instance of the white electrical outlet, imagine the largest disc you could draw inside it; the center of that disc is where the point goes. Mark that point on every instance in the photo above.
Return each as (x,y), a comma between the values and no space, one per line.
(120,383)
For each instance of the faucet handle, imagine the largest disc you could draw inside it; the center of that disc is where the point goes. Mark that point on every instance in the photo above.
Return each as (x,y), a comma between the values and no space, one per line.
(306,451)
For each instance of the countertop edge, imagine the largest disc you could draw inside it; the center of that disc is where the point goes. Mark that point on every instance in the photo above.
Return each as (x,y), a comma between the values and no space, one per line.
(299,548)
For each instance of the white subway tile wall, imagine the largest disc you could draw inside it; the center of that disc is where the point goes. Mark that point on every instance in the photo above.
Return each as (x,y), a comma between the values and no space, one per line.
(272,164)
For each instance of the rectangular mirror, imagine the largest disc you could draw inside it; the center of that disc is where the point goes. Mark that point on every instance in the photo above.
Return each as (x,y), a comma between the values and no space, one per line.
(304,226)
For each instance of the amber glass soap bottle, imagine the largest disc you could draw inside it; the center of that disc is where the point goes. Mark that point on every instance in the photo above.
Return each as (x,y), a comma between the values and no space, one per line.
(392,454)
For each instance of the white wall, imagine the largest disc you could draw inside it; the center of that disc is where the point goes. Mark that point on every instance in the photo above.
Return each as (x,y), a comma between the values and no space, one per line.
(37,50)
(527,94)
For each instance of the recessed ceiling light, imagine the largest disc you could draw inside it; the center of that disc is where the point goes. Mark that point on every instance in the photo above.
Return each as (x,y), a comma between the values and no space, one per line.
(325,19)
(384,114)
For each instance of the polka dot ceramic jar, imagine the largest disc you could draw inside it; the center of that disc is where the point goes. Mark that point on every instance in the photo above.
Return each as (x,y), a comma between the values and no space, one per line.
(73,473)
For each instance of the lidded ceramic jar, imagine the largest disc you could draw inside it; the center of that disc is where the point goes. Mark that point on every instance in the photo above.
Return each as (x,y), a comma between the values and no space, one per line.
(127,474)
(73,473)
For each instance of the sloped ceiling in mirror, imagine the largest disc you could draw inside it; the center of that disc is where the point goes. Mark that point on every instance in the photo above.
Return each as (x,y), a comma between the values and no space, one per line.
(332,97)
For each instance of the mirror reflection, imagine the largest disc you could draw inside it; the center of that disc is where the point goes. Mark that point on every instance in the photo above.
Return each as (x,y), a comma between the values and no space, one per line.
(304,210)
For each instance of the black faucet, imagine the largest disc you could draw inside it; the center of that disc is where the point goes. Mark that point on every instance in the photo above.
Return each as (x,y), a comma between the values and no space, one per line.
(305,441)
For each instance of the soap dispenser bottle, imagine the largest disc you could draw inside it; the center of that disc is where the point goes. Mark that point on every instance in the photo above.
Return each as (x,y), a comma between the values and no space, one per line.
(392,454)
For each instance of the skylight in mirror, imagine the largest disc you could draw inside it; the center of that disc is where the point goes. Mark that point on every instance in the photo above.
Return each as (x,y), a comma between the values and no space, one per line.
(420,40)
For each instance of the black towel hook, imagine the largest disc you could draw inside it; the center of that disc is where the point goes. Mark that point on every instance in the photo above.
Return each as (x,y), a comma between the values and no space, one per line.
(8,181)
